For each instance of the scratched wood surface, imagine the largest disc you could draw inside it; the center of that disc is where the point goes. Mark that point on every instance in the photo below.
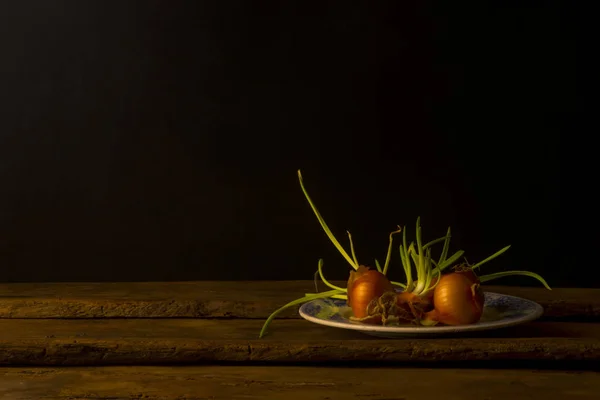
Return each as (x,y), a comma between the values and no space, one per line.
(294,383)
(119,340)
(191,341)
(224,299)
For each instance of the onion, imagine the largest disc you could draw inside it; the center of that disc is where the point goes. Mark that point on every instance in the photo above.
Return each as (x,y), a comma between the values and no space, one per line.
(457,299)
(364,286)
(428,296)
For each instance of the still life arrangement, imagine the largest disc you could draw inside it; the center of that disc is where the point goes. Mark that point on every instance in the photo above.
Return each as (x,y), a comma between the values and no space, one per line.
(439,295)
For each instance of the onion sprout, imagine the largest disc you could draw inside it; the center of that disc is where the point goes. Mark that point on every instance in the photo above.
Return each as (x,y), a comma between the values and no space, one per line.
(405,258)
(448,262)
(335,296)
(325,227)
(325,281)
(426,268)
(430,288)
(436,241)
(352,248)
(445,248)
(294,303)
(497,275)
(496,254)
(389,252)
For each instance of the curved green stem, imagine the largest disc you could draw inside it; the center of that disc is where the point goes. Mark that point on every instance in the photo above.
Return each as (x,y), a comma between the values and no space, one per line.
(487,278)
(419,244)
(433,242)
(378,266)
(324,225)
(352,248)
(405,258)
(428,270)
(407,268)
(389,252)
(294,303)
(448,262)
(325,281)
(428,288)
(315,280)
(335,296)
(446,247)
(496,254)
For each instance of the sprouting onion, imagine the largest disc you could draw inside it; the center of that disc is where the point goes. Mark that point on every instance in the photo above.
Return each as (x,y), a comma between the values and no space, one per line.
(336,292)
(431,295)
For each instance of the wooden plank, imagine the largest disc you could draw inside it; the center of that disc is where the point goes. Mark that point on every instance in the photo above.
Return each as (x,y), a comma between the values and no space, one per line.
(294,383)
(159,341)
(223,299)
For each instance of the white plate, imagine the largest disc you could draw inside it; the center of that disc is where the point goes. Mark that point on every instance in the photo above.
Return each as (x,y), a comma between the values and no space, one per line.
(500,311)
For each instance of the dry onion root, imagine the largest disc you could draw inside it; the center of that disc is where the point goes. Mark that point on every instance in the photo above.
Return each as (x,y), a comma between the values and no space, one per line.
(433,297)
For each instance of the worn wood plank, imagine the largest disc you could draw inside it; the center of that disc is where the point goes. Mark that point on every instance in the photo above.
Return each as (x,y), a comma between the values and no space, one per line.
(294,383)
(211,299)
(156,341)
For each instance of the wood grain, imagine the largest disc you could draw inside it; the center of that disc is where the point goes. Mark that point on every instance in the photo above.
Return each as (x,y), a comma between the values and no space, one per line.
(224,300)
(161,341)
(294,383)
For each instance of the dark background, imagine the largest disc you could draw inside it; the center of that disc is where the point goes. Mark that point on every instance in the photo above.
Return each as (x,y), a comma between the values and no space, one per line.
(159,140)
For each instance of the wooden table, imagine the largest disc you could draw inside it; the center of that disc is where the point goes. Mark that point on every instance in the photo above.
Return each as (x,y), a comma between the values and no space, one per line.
(199,340)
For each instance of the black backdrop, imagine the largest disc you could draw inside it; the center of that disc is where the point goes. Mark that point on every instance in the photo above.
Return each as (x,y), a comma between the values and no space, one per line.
(159,140)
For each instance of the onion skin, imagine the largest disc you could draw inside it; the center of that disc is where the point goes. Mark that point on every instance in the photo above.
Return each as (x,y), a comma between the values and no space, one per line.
(467,272)
(365,285)
(457,299)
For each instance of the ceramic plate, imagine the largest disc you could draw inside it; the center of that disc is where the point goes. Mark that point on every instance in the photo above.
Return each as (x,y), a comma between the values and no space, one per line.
(500,311)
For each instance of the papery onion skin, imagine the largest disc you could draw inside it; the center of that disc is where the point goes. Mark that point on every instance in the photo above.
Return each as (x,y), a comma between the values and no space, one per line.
(458,300)
(467,272)
(365,285)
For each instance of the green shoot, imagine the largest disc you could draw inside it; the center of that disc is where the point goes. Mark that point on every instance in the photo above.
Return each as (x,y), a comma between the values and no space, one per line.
(294,303)
(325,227)
(406,261)
(433,242)
(445,248)
(416,252)
(335,296)
(487,278)
(389,252)
(378,266)
(430,288)
(448,262)
(496,254)
(352,248)
(421,255)
(325,281)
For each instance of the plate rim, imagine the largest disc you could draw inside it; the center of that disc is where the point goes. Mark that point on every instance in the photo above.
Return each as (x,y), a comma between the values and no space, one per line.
(539,310)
